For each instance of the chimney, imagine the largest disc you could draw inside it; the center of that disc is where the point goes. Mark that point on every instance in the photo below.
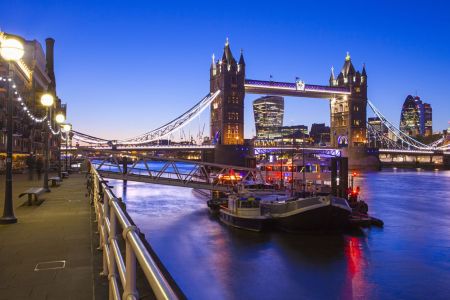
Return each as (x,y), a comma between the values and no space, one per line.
(49,45)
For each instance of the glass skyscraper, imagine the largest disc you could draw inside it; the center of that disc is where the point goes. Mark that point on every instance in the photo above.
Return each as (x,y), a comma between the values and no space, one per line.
(416,117)
(269,113)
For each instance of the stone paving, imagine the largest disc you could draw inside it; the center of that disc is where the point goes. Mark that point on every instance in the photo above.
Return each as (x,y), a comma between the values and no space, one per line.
(57,230)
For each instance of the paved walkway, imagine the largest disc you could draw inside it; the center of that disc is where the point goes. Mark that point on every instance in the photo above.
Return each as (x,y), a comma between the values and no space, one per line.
(57,230)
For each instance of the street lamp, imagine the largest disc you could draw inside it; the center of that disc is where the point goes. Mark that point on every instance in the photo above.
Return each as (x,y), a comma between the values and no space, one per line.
(47,101)
(11,50)
(59,118)
(67,128)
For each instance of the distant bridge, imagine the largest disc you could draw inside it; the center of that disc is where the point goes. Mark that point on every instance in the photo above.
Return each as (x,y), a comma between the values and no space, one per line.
(176,172)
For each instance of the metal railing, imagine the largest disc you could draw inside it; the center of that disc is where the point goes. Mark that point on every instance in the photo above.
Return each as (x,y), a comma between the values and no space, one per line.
(111,219)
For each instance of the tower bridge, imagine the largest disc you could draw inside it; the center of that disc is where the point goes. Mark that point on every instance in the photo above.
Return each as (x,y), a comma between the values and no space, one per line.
(347,97)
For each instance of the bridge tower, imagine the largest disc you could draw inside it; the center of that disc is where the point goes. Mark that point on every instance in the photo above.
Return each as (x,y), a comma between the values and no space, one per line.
(348,113)
(227,110)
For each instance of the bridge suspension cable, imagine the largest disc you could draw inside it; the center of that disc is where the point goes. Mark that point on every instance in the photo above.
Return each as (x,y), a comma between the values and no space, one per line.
(173,125)
(88,138)
(381,137)
(156,134)
(400,135)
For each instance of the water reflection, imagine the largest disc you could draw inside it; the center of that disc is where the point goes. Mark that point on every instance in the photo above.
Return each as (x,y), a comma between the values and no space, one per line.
(409,258)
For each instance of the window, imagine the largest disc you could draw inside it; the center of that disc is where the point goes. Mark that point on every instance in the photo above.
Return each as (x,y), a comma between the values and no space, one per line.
(356,122)
(355,108)
(233,116)
(233,100)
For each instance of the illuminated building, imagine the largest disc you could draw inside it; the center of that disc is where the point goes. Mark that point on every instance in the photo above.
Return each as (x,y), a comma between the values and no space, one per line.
(428,119)
(416,117)
(348,112)
(33,75)
(227,109)
(268,112)
(294,134)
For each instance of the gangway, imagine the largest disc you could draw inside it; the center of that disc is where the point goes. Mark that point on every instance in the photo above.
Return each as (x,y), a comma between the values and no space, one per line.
(175,172)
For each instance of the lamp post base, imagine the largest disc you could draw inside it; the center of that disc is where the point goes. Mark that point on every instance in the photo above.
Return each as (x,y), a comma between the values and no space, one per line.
(8,220)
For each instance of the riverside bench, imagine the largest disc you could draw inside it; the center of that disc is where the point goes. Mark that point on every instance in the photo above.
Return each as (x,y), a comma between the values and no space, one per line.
(33,191)
(64,174)
(55,180)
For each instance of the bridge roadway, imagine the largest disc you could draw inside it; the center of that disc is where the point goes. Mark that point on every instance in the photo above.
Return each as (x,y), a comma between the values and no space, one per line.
(402,158)
(296,89)
(166,181)
(175,172)
(258,149)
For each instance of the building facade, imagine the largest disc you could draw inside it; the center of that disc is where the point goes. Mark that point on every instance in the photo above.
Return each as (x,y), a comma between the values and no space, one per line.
(268,112)
(416,118)
(227,110)
(320,133)
(33,76)
(292,135)
(348,113)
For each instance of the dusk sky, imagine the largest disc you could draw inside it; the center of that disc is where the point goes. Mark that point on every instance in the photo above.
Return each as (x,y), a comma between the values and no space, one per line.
(126,67)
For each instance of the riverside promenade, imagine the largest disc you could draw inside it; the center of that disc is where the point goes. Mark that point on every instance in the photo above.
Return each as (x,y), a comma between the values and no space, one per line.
(50,253)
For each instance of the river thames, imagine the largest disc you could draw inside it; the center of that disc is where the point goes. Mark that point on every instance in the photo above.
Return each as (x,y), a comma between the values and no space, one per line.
(407,259)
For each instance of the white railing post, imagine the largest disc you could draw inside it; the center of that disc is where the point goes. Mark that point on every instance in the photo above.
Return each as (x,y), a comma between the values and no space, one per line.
(104,232)
(112,276)
(130,291)
(98,210)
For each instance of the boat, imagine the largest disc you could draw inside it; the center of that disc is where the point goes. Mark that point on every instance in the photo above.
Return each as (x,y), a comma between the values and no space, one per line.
(324,212)
(244,213)
(360,211)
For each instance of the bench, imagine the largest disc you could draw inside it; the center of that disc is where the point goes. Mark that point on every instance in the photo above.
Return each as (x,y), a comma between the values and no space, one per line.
(33,191)
(64,174)
(55,180)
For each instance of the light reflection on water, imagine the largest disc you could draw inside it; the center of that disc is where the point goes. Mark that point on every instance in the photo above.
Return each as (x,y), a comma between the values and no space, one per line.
(408,259)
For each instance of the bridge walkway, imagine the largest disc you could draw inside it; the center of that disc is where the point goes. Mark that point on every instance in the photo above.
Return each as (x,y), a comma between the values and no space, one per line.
(57,230)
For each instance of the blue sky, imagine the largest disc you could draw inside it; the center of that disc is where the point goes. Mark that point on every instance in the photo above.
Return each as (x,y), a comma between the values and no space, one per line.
(126,67)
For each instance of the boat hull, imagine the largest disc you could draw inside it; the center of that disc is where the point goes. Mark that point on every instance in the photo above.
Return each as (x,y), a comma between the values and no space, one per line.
(252,224)
(328,217)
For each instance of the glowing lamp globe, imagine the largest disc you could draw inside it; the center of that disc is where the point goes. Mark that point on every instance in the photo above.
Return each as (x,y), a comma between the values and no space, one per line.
(47,100)
(59,118)
(11,49)
(66,127)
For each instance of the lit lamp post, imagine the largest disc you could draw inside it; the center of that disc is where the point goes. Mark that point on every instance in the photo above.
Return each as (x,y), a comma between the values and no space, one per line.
(10,50)
(47,101)
(67,128)
(59,118)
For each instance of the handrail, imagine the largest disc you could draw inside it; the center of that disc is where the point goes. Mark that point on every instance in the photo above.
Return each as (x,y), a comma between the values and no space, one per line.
(111,218)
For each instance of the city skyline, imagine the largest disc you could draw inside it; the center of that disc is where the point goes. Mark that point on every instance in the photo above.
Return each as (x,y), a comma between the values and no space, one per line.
(90,56)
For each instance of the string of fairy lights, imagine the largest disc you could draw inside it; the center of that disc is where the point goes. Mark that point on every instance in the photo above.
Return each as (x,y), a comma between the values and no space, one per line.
(25,108)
